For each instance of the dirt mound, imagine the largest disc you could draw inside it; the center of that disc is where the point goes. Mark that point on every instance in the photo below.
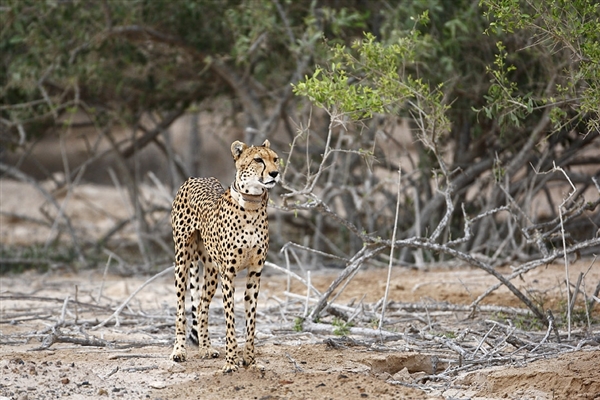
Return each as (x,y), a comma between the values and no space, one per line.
(569,376)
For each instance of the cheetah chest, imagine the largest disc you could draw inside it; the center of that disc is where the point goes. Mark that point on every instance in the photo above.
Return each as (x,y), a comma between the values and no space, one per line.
(239,239)
(251,241)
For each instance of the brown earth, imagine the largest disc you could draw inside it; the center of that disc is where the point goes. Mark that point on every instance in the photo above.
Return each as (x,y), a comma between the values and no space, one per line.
(130,360)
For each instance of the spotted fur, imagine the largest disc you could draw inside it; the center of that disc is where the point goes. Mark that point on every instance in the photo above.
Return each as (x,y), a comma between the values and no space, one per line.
(227,229)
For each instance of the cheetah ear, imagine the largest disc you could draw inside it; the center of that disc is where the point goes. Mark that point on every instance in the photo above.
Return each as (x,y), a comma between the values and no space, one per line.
(266,143)
(237,148)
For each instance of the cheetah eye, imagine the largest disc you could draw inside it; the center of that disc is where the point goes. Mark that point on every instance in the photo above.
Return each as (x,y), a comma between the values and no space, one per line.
(258,159)
(275,159)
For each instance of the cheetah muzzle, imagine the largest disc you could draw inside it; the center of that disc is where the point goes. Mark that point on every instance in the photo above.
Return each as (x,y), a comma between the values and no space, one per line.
(226,229)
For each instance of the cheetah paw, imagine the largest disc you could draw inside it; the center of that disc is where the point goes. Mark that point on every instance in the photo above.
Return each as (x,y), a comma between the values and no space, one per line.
(209,352)
(228,368)
(250,363)
(255,367)
(178,355)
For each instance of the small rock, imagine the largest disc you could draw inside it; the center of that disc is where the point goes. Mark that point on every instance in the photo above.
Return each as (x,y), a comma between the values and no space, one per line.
(157,385)
(384,376)
(417,376)
(176,367)
(403,375)
(64,381)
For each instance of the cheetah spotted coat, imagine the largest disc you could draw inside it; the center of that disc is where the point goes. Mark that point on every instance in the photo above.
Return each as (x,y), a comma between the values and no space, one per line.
(227,229)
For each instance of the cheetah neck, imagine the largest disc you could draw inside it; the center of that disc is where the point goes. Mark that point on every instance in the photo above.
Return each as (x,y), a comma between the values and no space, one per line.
(248,201)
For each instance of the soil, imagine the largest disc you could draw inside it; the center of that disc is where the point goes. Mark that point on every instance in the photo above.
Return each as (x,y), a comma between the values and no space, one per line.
(130,360)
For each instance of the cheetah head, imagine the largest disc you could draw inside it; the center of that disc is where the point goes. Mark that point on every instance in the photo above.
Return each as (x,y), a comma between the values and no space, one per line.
(257,168)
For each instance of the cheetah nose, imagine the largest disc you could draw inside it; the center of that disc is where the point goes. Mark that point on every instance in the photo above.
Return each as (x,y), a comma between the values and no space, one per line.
(274,174)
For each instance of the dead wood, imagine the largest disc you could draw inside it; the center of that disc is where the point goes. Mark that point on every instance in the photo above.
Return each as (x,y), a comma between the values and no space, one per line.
(118,311)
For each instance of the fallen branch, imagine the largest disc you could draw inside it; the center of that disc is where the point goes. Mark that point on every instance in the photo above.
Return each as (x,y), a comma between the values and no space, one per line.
(355,263)
(57,337)
(420,243)
(115,315)
(326,329)
(297,368)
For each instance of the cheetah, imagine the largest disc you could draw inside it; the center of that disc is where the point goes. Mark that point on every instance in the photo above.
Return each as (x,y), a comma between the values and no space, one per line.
(227,229)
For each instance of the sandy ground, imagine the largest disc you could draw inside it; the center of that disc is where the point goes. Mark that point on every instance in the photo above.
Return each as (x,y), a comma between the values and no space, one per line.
(130,360)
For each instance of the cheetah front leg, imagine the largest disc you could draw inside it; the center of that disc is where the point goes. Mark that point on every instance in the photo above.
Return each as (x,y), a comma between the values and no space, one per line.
(250,300)
(231,361)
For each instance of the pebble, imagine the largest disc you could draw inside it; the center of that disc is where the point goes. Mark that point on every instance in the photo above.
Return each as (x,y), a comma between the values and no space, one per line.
(157,385)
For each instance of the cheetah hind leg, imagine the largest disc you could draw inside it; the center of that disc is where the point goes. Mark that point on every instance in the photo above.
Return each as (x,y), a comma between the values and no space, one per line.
(179,353)
(200,305)
(250,298)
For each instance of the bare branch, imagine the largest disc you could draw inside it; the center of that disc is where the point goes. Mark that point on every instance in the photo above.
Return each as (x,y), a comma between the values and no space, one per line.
(115,315)
(355,263)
